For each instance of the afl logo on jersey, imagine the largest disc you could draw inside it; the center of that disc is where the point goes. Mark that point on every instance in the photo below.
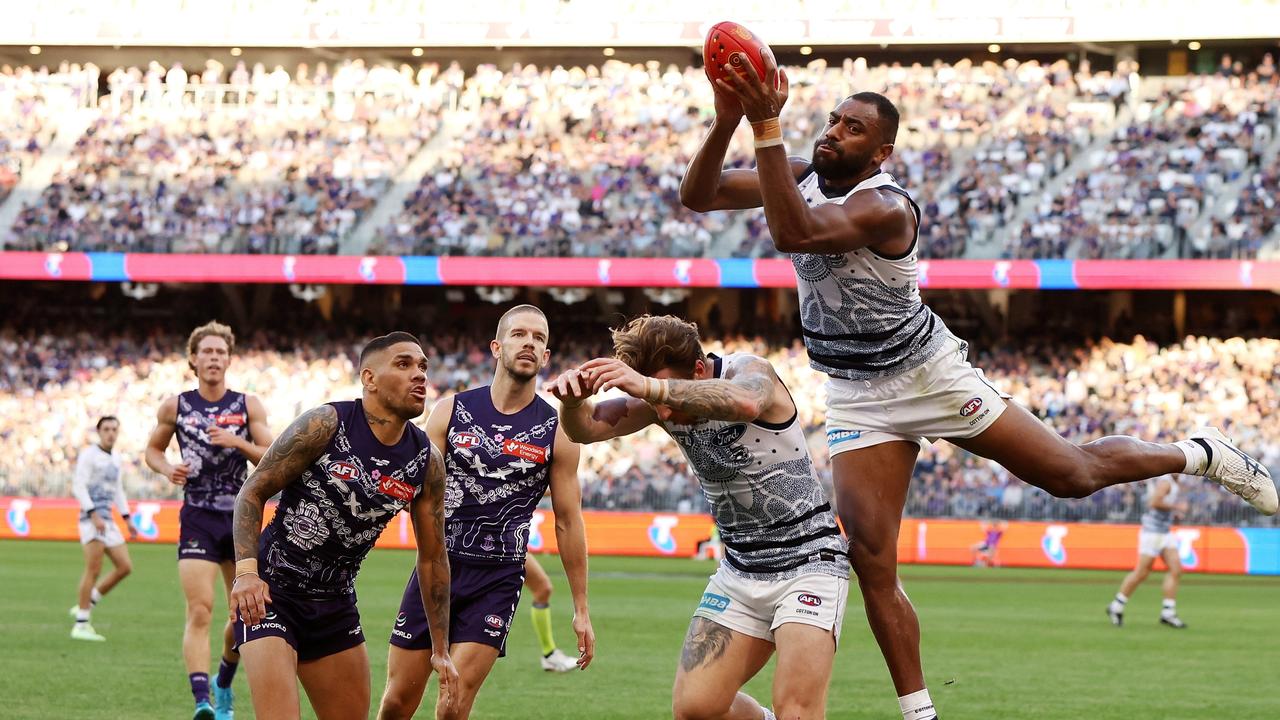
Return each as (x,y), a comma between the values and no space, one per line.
(344,471)
(493,620)
(810,600)
(971,407)
(465,440)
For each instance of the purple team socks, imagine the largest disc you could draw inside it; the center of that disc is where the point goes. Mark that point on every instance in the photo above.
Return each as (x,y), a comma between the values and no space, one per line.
(226,671)
(200,687)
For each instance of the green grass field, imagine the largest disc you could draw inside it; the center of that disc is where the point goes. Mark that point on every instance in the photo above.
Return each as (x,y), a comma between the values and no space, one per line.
(997,644)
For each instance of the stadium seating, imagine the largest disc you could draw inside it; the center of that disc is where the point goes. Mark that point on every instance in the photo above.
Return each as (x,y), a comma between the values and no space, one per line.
(56,382)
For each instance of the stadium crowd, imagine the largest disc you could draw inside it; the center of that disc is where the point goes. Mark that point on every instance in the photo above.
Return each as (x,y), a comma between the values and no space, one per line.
(56,382)
(586,161)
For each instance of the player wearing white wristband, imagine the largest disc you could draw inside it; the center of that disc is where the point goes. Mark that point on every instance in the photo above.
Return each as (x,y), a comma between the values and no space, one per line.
(899,379)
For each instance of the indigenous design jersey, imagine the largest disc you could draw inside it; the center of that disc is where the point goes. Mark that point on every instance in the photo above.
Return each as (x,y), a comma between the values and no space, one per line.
(96,484)
(216,473)
(1161,521)
(774,518)
(497,468)
(330,517)
(860,311)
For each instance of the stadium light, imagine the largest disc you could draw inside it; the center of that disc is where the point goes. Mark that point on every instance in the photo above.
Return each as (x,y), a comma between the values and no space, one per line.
(416,52)
(806,50)
(34,50)
(307,293)
(139,291)
(993,48)
(609,52)
(236,52)
(1194,45)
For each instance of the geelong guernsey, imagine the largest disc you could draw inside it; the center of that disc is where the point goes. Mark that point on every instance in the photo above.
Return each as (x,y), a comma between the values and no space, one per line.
(861,312)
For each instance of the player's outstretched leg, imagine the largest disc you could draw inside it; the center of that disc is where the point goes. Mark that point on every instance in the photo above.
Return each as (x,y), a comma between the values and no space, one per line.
(714,664)
(1036,454)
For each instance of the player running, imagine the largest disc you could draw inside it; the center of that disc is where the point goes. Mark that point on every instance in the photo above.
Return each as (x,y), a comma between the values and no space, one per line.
(219,432)
(898,377)
(1156,540)
(985,552)
(96,485)
(503,449)
(344,470)
(783,582)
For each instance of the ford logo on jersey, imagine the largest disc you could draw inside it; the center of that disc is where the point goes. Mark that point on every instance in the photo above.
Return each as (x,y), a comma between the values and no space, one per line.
(810,600)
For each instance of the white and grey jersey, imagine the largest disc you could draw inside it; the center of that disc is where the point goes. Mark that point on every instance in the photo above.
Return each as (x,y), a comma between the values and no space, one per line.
(96,483)
(774,518)
(1161,521)
(860,311)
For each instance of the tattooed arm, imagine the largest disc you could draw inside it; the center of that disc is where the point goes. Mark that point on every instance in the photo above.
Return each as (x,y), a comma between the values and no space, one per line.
(296,448)
(749,390)
(586,421)
(427,511)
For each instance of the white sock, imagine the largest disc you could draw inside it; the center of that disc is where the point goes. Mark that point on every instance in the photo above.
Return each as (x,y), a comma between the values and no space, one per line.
(1197,459)
(1121,599)
(94,597)
(82,615)
(1169,607)
(917,706)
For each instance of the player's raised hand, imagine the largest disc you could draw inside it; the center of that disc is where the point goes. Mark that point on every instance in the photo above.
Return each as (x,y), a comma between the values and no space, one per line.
(761,99)
(728,108)
(178,473)
(250,597)
(442,664)
(606,373)
(586,639)
(571,388)
(224,438)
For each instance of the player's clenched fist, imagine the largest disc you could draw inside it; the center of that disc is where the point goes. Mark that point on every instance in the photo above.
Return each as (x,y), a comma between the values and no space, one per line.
(178,473)
(249,598)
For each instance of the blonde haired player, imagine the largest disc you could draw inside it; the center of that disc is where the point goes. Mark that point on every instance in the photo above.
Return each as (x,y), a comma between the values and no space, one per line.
(1156,540)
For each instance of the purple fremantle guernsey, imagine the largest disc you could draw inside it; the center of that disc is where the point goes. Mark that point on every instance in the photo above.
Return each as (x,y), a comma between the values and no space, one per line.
(497,468)
(216,473)
(330,517)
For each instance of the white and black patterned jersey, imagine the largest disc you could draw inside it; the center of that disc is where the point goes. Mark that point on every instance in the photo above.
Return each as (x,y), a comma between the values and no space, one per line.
(774,518)
(860,311)
(1161,521)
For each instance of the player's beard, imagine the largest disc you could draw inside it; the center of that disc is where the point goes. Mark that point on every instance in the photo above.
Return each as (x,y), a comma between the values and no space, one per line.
(519,375)
(841,165)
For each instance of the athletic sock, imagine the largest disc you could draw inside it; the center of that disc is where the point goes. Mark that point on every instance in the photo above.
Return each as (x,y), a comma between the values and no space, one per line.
(94,597)
(917,706)
(199,687)
(226,671)
(541,615)
(82,615)
(1169,608)
(1121,599)
(1198,454)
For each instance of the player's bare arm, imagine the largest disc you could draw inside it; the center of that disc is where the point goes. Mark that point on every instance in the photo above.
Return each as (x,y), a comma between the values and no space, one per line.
(438,423)
(748,395)
(158,443)
(706,185)
(1160,496)
(296,448)
(880,219)
(427,512)
(586,421)
(571,538)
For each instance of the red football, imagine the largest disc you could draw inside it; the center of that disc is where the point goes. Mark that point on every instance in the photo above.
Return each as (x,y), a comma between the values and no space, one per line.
(732,44)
